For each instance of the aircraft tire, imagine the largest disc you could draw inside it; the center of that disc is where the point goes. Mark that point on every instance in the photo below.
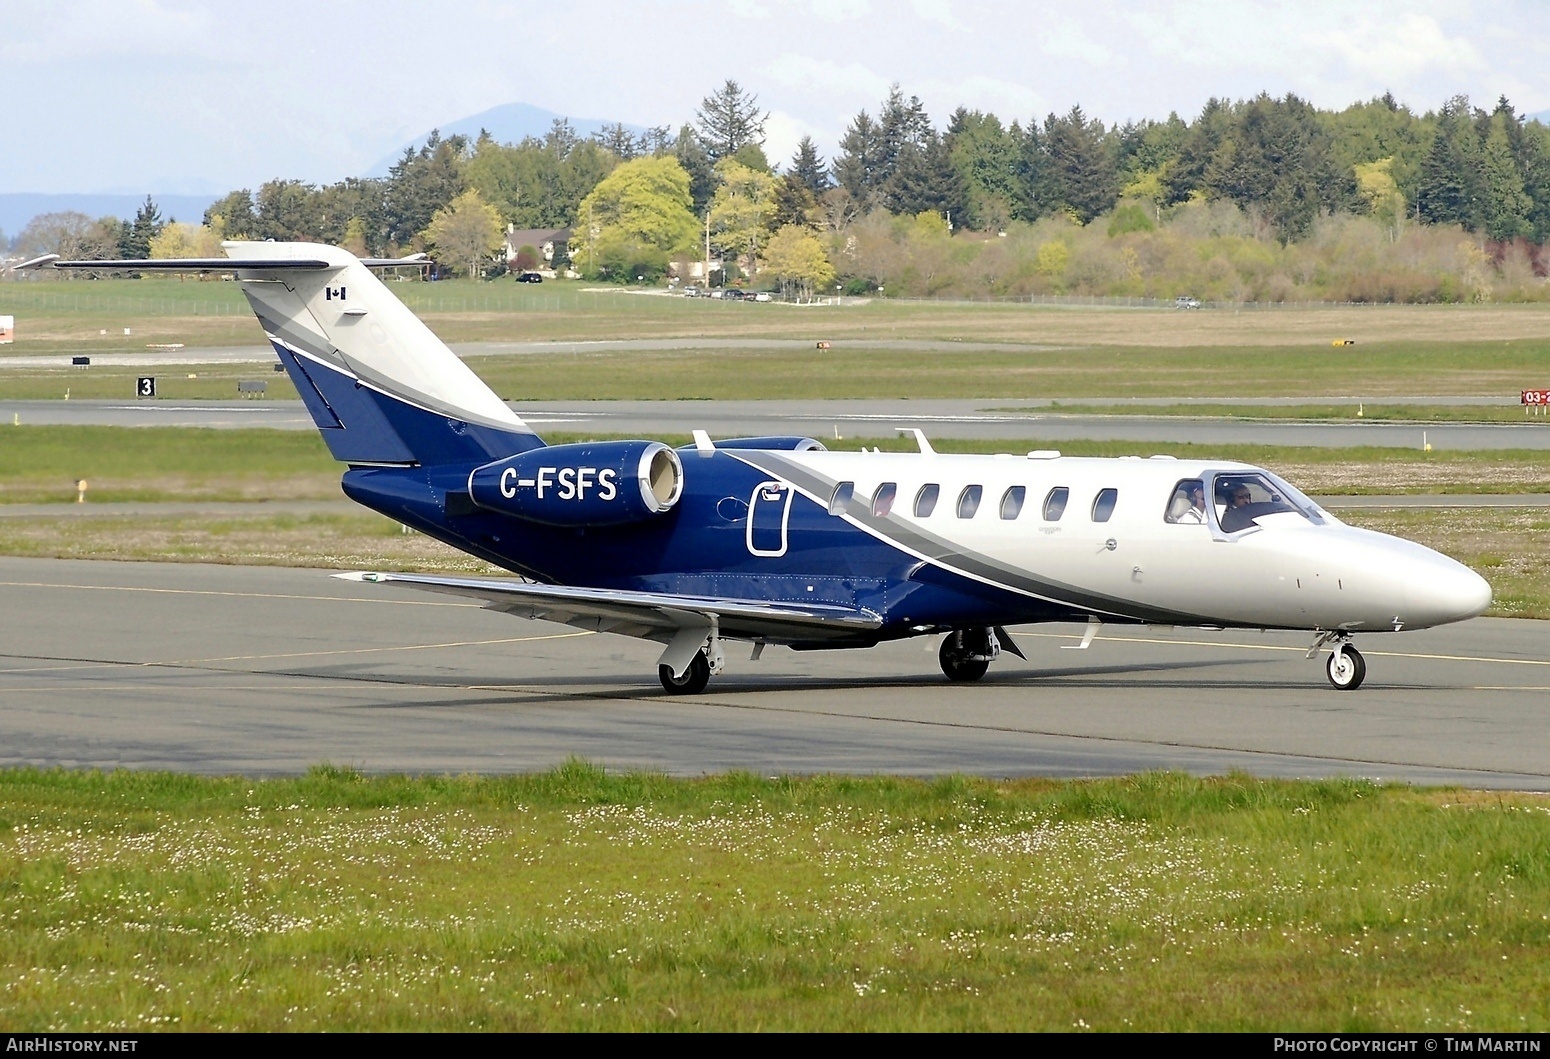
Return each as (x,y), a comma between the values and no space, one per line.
(958,668)
(692,682)
(1346,668)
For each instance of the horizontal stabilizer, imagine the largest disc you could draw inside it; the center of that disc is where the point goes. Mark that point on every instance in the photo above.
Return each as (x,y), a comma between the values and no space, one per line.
(653,615)
(219,264)
(202,264)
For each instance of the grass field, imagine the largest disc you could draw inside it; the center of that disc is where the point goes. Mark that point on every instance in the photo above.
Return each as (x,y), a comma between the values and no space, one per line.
(75,310)
(1401,413)
(580,900)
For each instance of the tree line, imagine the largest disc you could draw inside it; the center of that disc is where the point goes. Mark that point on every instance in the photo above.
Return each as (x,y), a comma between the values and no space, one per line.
(1284,169)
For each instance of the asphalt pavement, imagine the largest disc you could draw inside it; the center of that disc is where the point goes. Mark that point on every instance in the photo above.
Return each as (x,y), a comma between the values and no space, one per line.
(824,419)
(266,671)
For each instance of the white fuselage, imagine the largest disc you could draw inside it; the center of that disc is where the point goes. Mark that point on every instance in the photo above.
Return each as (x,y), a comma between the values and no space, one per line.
(1295,568)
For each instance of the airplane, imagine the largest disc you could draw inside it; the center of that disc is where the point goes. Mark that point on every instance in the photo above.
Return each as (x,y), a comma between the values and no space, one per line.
(776,540)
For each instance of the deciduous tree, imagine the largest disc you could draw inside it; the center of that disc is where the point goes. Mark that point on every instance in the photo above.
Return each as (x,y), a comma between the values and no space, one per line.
(796,258)
(465,232)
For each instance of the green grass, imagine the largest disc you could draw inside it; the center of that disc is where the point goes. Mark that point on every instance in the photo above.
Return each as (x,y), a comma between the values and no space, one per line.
(1116,372)
(192,382)
(576,899)
(41,464)
(1407,413)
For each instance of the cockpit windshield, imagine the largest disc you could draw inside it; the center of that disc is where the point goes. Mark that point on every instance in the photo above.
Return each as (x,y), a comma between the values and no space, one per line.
(1241,499)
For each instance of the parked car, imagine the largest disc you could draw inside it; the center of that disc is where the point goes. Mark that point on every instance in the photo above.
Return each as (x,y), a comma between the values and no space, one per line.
(529,277)
(763,296)
(1185,301)
(733,295)
(693,292)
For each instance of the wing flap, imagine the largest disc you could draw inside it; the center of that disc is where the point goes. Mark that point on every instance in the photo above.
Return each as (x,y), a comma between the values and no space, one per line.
(651,615)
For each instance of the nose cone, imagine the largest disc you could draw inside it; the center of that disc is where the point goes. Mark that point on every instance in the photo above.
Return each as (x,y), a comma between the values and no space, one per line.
(1444,591)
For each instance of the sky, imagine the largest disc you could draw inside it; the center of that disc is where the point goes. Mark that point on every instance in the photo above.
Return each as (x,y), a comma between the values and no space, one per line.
(203,96)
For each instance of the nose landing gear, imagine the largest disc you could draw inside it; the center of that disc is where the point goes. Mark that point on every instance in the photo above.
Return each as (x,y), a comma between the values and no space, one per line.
(1345,666)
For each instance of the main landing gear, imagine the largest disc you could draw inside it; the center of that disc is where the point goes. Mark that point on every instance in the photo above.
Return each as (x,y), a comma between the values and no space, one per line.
(1345,666)
(693,680)
(967,653)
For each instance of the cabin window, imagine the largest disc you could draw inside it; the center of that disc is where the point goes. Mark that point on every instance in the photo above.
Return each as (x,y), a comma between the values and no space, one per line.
(925,500)
(1187,506)
(1243,499)
(882,500)
(842,494)
(969,500)
(1103,504)
(1055,503)
(1012,502)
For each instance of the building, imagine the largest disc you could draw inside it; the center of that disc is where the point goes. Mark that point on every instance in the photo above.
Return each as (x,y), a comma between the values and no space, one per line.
(553,244)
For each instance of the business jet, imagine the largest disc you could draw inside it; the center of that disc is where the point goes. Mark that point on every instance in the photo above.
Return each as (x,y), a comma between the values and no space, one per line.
(775,540)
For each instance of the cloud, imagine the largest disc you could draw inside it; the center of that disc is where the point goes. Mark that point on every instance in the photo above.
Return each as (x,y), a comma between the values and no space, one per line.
(841,10)
(940,11)
(1400,51)
(748,9)
(40,32)
(827,78)
(1070,40)
(782,133)
(1008,99)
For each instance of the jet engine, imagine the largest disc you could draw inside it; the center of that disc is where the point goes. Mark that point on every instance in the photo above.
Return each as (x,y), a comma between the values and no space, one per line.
(606,483)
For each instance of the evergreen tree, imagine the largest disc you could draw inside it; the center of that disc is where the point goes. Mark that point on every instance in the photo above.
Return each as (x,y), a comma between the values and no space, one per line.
(1036,194)
(727,119)
(234,213)
(619,140)
(1082,174)
(902,125)
(423,182)
(288,210)
(858,166)
(1451,188)
(135,237)
(984,157)
(1507,203)
(702,173)
(795,204)
(924,180)
(808,167)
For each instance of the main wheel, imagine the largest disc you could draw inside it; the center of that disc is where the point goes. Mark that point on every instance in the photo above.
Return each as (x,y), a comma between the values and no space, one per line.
(956,663)
(692,682)
(1346,668)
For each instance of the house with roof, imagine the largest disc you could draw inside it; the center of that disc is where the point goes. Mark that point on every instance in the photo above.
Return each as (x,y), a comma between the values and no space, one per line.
(552,244)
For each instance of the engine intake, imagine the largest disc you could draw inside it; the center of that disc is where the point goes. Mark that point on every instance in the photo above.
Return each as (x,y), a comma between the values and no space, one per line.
(606,483)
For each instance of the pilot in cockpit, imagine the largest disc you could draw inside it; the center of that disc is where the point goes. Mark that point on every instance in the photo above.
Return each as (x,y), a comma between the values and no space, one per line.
(1188,506)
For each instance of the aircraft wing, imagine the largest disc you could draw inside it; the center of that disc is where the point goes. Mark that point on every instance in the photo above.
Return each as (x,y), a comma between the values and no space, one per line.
(678,620)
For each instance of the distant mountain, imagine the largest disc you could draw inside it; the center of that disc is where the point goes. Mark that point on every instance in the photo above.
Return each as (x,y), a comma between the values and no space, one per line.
(1541,116)
(508,123)
(17,209)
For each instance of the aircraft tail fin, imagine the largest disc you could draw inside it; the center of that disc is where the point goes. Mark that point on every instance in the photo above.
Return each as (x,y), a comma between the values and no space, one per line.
(381,387)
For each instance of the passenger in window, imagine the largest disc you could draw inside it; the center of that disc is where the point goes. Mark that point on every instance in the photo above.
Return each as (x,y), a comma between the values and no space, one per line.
(882,503)
(1188,506)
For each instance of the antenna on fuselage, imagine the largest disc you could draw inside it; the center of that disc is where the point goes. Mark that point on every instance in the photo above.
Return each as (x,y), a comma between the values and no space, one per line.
(920,439)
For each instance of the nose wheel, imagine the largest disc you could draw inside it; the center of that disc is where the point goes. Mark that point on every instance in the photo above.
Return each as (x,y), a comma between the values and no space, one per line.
(1346,667)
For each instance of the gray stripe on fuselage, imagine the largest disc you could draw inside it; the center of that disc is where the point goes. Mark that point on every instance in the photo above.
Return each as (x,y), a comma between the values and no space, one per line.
(954,557)
(305,341)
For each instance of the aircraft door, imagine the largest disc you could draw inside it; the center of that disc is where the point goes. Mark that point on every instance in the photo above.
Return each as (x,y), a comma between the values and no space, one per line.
(769,512)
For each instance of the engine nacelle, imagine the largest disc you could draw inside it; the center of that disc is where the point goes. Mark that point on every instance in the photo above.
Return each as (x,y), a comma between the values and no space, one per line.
(780,443)
(605,483)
